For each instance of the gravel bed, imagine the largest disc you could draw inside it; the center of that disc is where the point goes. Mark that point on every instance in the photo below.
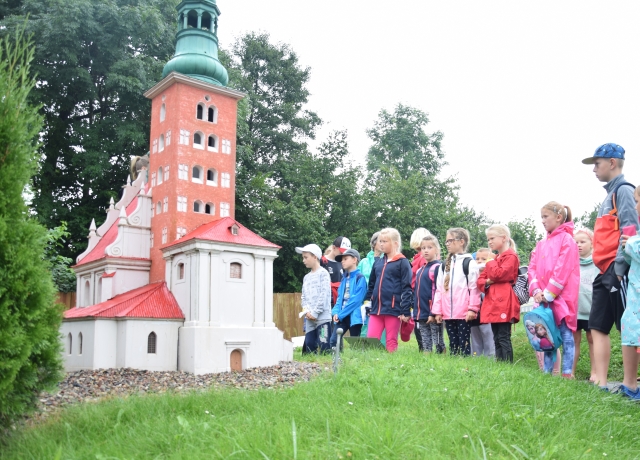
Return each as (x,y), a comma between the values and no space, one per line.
(92,385)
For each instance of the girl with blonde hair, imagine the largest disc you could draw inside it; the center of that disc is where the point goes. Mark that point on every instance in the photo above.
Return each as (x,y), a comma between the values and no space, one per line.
(389,290)
(500,307)
(457,299)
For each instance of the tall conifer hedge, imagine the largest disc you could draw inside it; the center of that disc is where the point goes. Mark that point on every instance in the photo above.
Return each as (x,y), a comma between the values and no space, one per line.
(29,321)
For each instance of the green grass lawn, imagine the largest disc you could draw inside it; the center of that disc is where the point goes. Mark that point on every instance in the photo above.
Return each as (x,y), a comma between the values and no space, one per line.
(383,406)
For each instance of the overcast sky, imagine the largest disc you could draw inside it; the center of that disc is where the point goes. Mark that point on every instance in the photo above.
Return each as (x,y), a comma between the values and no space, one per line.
(522,91)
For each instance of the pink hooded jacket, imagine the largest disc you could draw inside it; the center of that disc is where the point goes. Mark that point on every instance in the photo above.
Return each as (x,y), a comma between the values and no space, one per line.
(555,266)
(461,296)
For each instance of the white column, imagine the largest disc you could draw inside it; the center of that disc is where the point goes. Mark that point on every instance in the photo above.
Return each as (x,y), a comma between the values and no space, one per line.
(78,291)
(215,287)
(268,292)
(202,287)
(259,306)
(92,295)
(191,272)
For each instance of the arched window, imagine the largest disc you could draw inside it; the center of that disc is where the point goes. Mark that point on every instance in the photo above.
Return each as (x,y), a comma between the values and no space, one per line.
(87,294)
(151,343)
(70,343)
(159,208)
(205,22)
(212,143)
(198,140)
(200,112)
(196,174)
(235,270)
(192,19)
(160,173)
(212,114)
(161,143)
(197,206)
(212,177)
(163,112)
(80,343)
(209,208)
(180,271)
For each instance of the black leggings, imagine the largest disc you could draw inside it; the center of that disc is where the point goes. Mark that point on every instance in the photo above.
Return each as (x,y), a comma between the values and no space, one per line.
(502,340)
(459,333)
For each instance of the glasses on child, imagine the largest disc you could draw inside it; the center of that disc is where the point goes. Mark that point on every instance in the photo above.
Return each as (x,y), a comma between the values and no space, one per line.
(451,241)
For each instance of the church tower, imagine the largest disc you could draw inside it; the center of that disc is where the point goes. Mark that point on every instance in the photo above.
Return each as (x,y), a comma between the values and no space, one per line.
(193,134)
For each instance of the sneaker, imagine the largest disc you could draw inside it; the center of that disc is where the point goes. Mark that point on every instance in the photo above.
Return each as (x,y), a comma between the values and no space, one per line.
(628,393)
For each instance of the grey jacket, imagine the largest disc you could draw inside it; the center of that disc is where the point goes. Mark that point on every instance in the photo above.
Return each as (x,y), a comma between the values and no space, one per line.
(627,214)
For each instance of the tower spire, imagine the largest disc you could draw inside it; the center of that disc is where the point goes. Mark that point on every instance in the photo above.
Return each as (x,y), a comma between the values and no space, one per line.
(197,43)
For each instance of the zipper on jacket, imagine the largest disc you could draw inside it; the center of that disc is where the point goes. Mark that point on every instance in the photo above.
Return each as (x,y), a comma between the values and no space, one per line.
(384,267)
(393,301)
(418,292)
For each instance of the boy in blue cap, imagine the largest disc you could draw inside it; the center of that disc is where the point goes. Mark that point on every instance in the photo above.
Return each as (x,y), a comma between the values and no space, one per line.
(609,288)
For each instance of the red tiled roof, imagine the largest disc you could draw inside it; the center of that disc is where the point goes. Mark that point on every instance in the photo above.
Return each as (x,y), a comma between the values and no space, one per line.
(108,238)
(220,231)
(150,301)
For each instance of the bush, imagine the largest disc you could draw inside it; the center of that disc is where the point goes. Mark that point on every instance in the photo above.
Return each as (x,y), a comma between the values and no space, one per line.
(29,322)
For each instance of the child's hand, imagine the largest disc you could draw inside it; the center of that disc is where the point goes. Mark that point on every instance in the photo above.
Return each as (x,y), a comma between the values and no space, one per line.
(471,315)
(488,282)
(624,239)
(431,319)
(336,318)
(438,319)
(310,316)
(403,318)
(539,297)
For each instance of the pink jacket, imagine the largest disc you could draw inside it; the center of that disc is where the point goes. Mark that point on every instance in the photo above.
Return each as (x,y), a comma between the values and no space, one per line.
(555,266)
(461,296)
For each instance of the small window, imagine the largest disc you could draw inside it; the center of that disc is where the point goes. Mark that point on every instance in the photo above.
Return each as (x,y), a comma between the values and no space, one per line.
(181,232)
(163,112)
(151,343)
(212,143)
(226,146)
(159,208)
(213,114)
(226,180)
(184,137)
(180,271)
(209,208)
(197,206)
(164,235)
(196,174)
(182,203)
(161,143)
(198,140)
(235,230)
(155,146)
(70,343)
(153,179)
(183,172)
(80,343)
(212,177)
(165,204)
(235,271)
(200,112)
(166,173)
(87,295)
(169,137)
(160,174)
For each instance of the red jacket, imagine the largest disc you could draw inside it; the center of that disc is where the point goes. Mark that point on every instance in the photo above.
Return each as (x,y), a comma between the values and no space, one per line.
(500,303)
(416,264)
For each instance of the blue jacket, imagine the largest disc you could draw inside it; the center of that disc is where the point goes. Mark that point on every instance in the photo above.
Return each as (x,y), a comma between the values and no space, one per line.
(425,288)
(390,287)
(357,291)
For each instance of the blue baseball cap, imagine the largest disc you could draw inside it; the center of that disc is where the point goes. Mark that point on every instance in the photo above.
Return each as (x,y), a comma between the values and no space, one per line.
(606,151)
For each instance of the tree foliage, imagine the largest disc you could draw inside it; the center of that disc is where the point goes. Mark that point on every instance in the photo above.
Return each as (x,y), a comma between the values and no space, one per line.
(94,60)
(29,322)
(64,278)
(526,236)
(588,219)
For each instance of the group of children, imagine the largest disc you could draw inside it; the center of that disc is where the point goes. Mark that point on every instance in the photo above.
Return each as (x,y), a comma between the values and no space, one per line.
(473,295)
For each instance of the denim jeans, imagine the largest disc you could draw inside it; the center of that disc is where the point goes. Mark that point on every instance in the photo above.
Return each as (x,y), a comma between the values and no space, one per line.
(568,351)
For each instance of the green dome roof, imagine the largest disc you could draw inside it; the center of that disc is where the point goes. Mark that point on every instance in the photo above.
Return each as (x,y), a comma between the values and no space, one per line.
(197,43)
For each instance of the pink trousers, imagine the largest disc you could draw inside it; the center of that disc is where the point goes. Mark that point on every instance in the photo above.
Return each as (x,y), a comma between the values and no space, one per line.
(379,323)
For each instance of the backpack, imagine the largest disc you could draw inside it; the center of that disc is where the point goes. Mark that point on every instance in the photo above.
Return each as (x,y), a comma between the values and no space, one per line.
(542,331)
(521,286)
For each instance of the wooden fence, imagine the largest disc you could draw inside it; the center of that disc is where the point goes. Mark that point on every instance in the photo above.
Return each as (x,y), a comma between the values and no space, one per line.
(68,299)
(286,308)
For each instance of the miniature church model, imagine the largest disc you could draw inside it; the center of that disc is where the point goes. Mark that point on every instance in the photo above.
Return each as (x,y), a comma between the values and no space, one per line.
(170,281)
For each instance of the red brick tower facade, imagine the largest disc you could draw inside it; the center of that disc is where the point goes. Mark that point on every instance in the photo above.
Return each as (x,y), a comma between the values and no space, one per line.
(192,160)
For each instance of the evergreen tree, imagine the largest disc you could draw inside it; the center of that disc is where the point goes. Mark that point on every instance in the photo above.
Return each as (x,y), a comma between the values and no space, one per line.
(29,321)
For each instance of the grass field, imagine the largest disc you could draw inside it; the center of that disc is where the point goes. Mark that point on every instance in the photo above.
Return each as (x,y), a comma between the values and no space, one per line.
(379,406)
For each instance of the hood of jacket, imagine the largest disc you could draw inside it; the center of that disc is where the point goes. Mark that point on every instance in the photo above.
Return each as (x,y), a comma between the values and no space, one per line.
(567,227)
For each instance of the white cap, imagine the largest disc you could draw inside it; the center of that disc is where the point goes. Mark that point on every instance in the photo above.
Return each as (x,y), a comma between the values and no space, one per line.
(312,248)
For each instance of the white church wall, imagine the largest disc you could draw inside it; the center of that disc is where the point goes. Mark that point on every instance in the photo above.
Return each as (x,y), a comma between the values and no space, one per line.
(236,298)
(178,279)
(80,356)
(127,279)
(135,354)
(105,344)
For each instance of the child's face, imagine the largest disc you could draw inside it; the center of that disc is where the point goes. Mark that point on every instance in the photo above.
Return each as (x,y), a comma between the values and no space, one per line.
(386,245)
(550,220)
(584,244)
(454,245)
(482,257)
(637,198)
(349,263)
(309,260)
(496,242)
(428,250)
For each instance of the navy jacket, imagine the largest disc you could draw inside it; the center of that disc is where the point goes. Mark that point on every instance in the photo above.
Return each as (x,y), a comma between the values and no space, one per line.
(390,287)
(425,287)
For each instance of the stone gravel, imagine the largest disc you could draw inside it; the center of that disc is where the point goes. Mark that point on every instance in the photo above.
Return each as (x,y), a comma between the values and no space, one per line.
(92,385)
